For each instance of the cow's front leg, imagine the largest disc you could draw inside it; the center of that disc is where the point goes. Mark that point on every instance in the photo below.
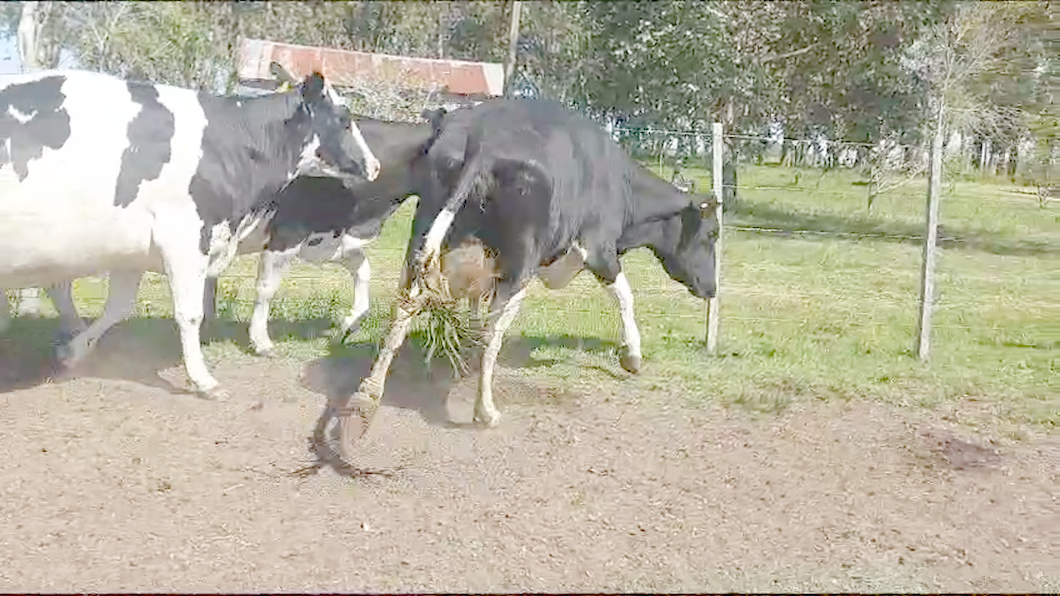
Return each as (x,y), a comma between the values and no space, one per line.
(503,310)
(607,268)
(631,356)
(121,300)
(363,404)
(185,268)
(272,268)
(361,273)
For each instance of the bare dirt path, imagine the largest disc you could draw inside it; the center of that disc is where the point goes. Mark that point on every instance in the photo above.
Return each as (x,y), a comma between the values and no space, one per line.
(111,481)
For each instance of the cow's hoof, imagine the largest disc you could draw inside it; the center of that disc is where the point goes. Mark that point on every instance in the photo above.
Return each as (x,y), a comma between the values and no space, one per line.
(217,393)
(266,353)
(65,357)
(487,418)
(354,421)
(630,364)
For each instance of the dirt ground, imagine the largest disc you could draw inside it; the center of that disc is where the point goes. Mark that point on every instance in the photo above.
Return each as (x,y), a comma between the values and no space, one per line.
(113,479)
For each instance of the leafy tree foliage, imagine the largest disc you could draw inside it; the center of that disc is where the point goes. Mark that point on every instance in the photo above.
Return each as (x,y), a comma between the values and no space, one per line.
(851,70)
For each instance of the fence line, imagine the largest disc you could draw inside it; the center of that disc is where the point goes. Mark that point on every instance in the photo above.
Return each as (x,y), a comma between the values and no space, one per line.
(706,135)
(640,313)
(824,141)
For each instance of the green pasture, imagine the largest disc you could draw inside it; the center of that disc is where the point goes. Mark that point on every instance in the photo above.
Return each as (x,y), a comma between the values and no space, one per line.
(823,313)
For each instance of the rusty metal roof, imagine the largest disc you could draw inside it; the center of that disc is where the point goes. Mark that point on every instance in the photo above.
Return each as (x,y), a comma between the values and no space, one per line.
(346,67)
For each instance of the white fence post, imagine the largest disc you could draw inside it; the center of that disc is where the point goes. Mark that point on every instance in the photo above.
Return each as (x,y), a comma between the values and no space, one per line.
(927,271)
(717,182)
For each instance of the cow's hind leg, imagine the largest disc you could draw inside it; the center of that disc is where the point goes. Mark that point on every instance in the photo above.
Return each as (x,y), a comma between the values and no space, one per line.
(121,299)
(503,310)
(361,273)
(272,268)
(364,403)
(70,323)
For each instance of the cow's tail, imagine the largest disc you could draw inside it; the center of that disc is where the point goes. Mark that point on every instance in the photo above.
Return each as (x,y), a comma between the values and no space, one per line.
(428,260)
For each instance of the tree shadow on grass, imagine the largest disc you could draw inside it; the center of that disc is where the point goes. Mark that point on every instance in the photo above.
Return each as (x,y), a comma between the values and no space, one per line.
(134,350)
(755,214)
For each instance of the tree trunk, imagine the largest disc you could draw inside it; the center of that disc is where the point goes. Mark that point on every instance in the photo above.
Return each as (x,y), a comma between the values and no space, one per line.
(29,36)
(29,26)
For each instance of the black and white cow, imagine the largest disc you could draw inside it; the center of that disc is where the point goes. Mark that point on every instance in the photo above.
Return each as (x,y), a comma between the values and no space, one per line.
(326,220)
(551,194)
(101,174)
(321,219)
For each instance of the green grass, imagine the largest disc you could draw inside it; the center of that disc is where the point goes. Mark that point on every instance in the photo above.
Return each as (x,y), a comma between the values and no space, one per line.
(804,317)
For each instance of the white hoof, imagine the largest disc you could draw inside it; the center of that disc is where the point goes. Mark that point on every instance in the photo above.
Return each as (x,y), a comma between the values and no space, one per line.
(216,393)
(488,418)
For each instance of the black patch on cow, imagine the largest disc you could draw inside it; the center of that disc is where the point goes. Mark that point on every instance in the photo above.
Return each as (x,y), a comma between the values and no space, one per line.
(48,125)
(320,205)
(150,143)
(248,146)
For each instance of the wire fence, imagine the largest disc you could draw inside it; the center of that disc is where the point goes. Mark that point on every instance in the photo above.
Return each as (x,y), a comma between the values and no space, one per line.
(703,147)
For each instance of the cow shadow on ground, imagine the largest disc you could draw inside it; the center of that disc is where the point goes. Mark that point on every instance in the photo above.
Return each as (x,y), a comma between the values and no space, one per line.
(136,349)
(428,389)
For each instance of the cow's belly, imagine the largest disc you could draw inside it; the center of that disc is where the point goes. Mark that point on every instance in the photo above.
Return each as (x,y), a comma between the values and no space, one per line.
(60,235)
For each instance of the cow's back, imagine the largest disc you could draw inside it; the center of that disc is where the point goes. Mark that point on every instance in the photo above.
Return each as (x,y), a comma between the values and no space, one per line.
(578,171)
(89,162)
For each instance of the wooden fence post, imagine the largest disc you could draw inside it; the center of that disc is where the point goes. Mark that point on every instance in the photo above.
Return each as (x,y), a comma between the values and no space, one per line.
(717,182)
(927,270)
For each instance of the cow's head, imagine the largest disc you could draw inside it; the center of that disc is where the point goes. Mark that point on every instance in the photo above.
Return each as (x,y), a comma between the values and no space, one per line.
(687,247)
(335,146)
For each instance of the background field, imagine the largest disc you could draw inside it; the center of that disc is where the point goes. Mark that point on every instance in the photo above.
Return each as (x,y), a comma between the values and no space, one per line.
(828,313)
(815,455)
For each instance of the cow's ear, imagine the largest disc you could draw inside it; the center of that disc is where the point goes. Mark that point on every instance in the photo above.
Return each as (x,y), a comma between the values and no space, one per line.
(707,204)
(313,87)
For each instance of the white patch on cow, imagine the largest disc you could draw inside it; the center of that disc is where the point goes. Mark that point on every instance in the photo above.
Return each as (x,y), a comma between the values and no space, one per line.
(321,247)
(308,162)
(563,270)
(22,118)
(61,223)
(332,95)
(432,246)
(371,164)
(326,248)
(224,245)
(624,295)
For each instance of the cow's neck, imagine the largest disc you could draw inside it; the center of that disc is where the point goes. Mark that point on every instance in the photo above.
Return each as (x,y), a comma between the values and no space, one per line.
(652,198)
(251,147)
